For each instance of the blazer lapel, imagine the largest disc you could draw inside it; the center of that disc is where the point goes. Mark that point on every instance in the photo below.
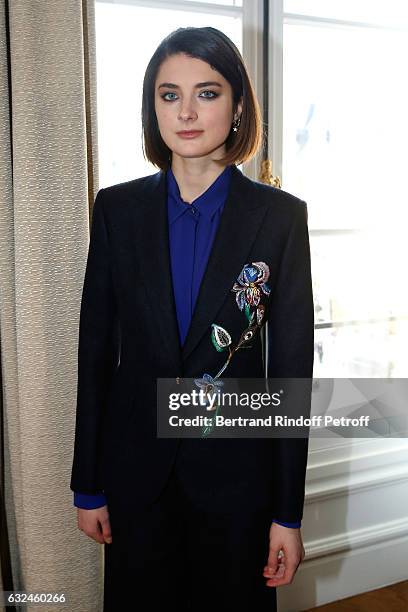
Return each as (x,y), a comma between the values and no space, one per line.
(152,249)
(239,224)
(240,221)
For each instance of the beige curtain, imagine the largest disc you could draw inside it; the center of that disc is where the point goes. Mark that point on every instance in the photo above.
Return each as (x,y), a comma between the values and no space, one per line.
(48,180)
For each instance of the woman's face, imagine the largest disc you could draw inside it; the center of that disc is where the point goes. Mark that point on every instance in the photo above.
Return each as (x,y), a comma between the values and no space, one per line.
(190,95)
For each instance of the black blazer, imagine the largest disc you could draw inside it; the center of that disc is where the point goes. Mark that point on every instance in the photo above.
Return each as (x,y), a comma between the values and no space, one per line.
(128,337)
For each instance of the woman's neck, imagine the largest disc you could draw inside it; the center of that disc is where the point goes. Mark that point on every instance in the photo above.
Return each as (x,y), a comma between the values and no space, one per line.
(195,180)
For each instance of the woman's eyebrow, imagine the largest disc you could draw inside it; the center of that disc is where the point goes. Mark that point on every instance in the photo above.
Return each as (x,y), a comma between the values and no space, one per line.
(204,84)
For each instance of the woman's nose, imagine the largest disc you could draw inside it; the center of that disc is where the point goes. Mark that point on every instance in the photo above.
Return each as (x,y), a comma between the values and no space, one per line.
(187,111)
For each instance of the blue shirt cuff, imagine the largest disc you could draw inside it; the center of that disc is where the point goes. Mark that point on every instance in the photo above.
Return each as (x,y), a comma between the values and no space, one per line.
(89,502)
(295,525)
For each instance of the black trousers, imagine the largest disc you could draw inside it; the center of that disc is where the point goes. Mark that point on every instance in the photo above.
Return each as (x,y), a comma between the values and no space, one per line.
(178,555)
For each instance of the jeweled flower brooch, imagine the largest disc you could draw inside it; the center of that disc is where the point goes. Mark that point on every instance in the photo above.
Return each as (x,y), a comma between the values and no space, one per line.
(250,286)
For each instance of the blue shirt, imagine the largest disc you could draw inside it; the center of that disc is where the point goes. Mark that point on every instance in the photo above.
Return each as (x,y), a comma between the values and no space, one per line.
(192,229)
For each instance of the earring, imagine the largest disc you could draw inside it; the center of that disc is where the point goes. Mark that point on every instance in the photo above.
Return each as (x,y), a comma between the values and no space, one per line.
(236,123)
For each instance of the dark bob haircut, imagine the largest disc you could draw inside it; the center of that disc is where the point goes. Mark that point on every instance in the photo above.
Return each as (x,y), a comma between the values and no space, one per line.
(215,48)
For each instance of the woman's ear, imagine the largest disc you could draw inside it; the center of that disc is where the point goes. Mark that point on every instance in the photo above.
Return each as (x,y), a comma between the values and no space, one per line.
(238,109)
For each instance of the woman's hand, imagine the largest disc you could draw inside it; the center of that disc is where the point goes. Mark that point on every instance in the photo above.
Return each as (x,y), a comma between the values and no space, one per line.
(95,524)
(281,569)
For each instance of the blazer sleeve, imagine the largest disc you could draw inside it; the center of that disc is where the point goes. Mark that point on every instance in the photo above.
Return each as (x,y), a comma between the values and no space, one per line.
(98,355)
(291,355)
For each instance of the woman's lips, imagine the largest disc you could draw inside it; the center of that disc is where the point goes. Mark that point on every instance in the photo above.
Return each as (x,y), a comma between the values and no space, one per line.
(191,134)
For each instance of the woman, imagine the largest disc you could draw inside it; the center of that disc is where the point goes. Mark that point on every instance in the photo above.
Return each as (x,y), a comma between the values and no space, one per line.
(176,261)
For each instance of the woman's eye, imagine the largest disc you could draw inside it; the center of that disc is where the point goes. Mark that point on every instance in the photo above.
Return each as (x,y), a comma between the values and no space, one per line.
(207,91)
(169,93)
(213,94)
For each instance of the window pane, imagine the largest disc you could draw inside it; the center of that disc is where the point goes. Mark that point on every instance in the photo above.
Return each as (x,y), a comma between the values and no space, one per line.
(392,12)
(354,276)
(344,152)
(370,350)
(345,124)
(126,37)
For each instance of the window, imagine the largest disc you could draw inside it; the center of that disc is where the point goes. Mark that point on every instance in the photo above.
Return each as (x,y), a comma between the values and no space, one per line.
(344,133)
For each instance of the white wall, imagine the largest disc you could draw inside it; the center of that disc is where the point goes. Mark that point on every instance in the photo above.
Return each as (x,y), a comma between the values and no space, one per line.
(355,523)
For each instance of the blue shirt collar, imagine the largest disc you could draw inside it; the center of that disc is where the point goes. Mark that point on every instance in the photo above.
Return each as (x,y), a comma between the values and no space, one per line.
(207,203)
